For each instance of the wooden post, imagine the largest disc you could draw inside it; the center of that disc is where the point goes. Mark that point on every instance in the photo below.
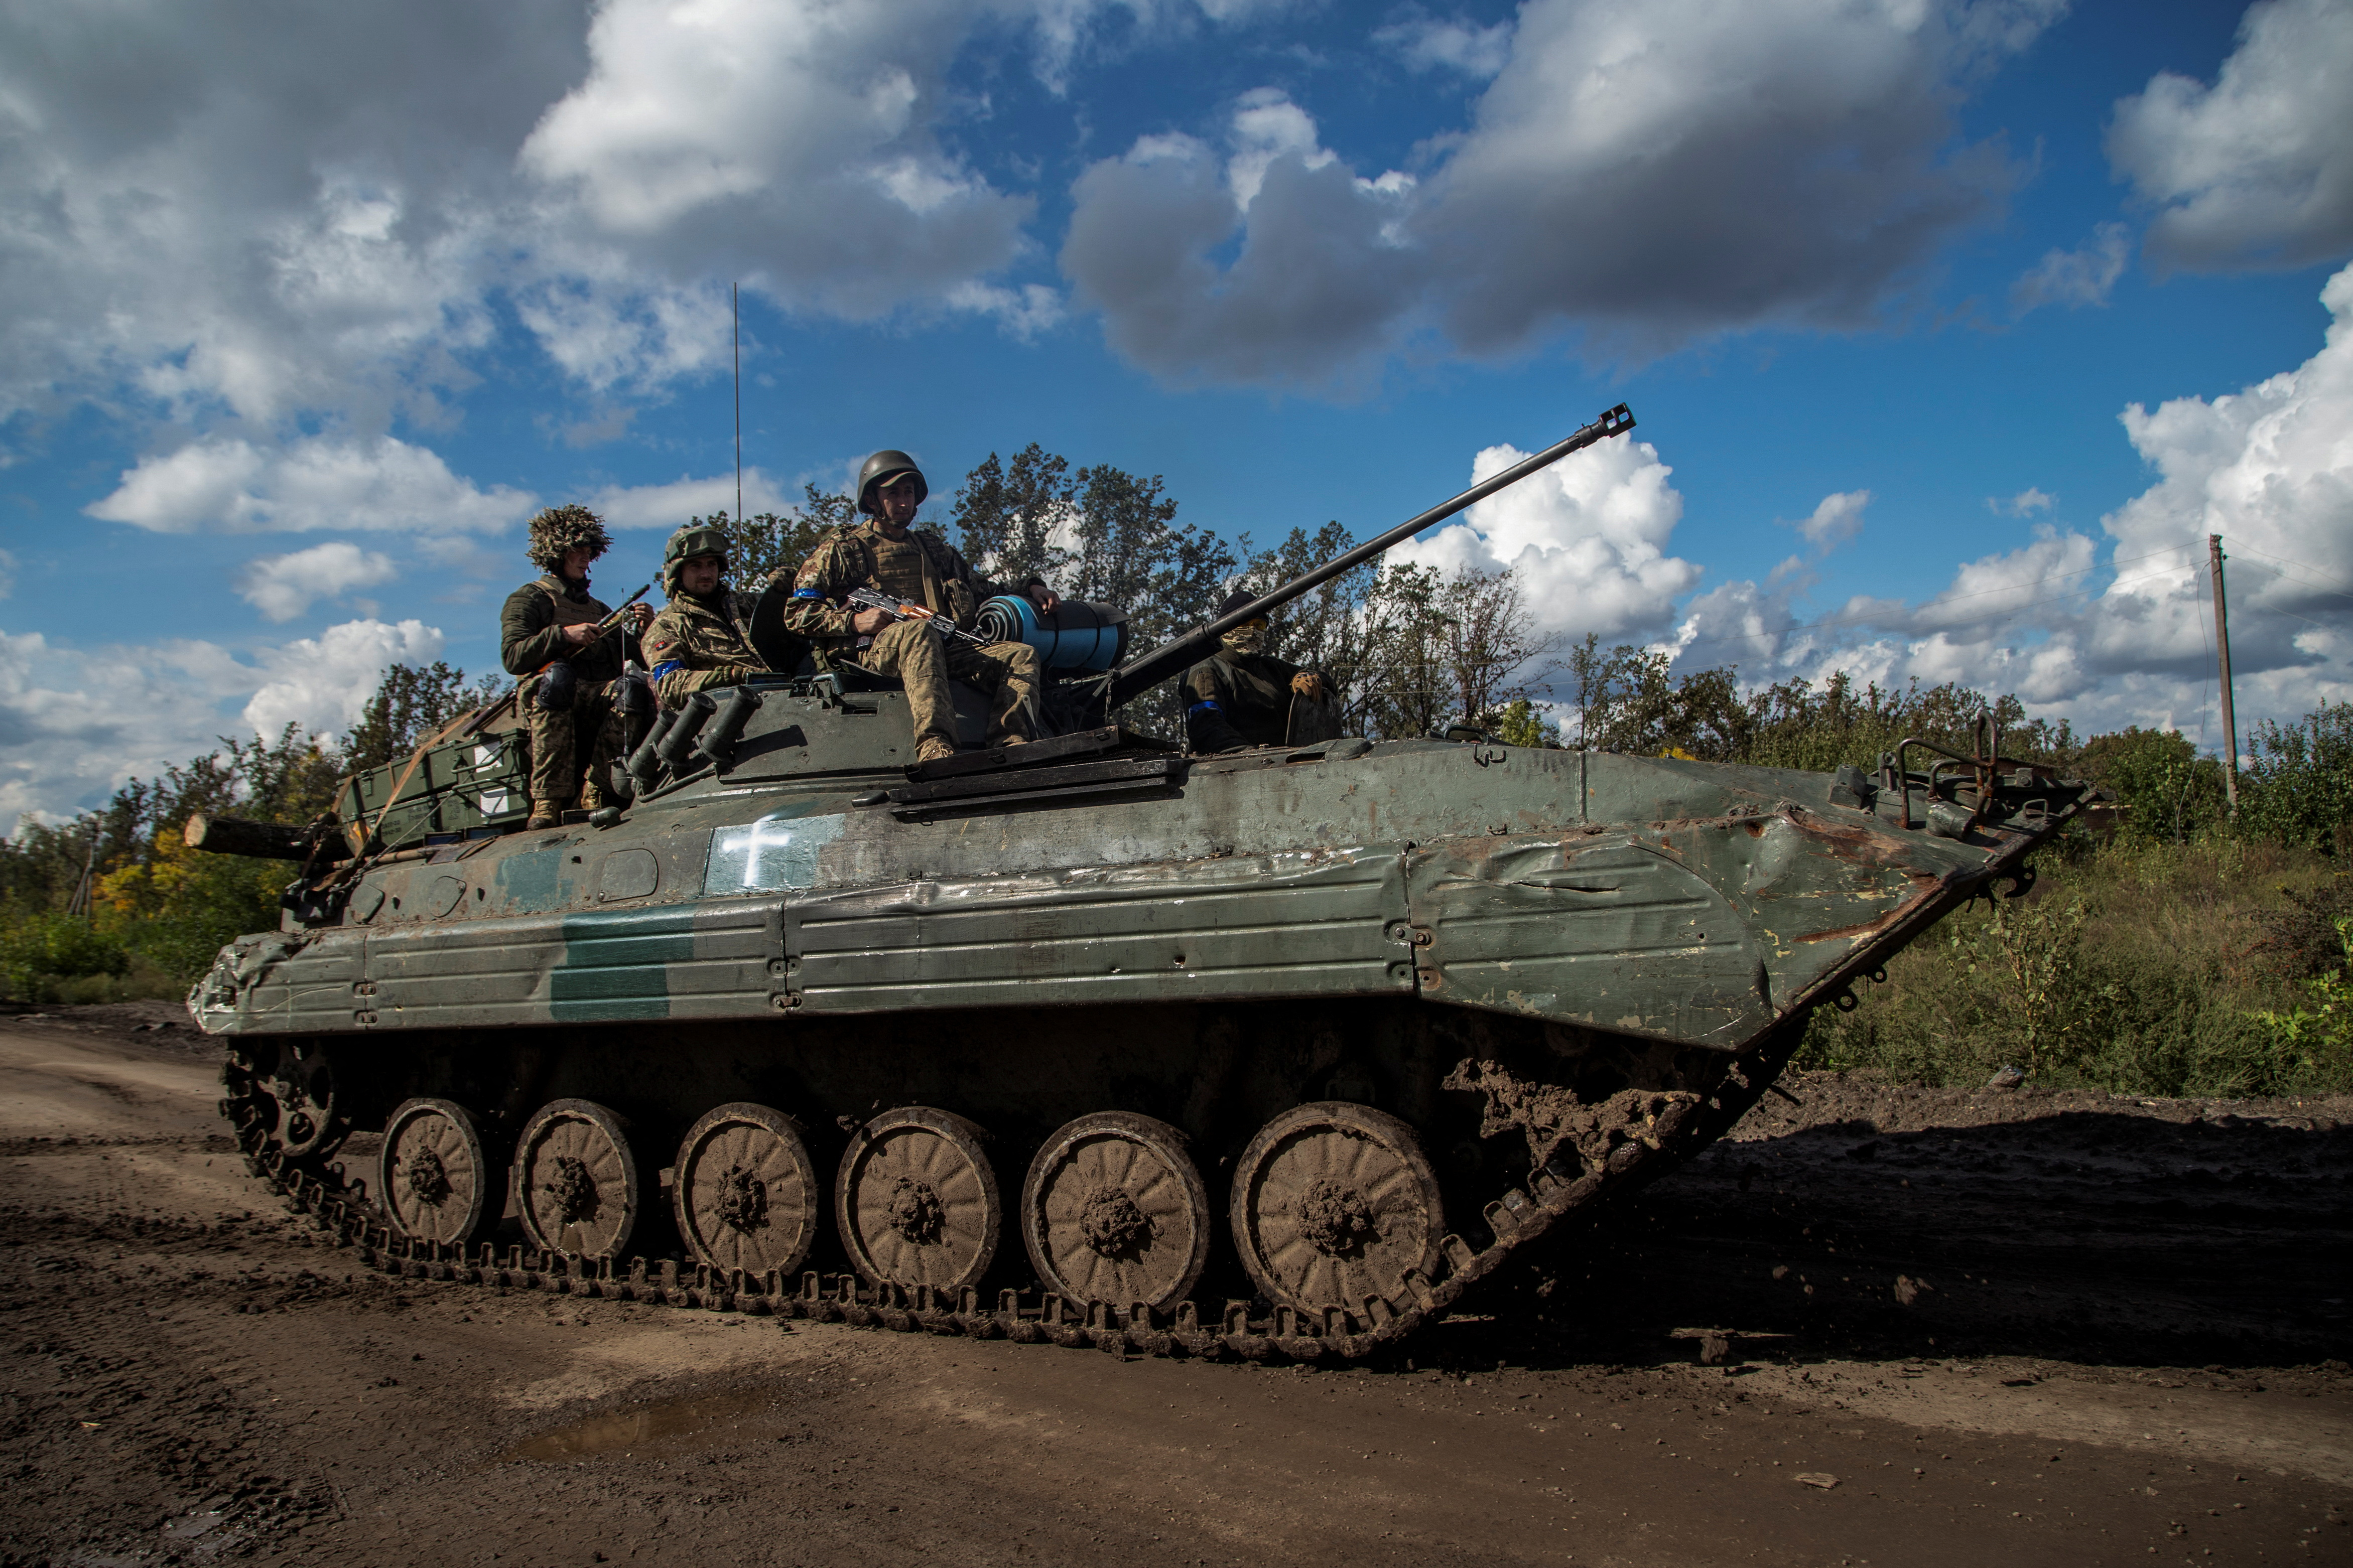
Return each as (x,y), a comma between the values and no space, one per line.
(2222,646)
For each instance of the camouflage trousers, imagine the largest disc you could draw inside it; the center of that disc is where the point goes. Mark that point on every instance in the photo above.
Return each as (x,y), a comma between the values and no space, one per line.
(925,662)
(556,764)
(678,685)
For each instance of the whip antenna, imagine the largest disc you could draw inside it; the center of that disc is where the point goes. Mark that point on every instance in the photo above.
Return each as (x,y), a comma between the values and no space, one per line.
(735,304)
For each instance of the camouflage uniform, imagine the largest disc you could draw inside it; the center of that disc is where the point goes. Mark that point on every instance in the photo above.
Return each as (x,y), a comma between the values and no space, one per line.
(531,637)
(924,569)
(698,643)
(1237,699)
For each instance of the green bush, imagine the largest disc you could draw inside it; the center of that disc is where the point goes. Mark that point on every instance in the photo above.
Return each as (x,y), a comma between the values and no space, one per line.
(2138,968)
(2297,786)
(39,950)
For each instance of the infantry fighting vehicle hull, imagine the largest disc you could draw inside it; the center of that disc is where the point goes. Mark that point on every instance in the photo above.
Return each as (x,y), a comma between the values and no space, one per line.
(1089,1041)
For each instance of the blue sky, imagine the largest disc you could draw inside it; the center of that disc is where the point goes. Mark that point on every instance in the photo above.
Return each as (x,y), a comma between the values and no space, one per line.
(309,312)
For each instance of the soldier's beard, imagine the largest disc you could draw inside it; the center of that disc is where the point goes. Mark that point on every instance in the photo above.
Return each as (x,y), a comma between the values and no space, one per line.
(1244,639)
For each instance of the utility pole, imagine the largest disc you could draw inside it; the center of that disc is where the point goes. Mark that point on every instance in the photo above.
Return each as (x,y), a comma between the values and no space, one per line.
(2222,646)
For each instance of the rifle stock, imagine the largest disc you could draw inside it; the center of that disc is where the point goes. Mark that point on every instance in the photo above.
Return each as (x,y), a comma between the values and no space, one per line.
(1173,657)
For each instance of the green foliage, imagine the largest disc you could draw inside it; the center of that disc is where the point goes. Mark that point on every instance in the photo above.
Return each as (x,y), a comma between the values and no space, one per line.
(2164,792)
(37,949)
(766,543)
(409,705)
(1517,724)
(2315,1044)
(2297,786)
(2139,968)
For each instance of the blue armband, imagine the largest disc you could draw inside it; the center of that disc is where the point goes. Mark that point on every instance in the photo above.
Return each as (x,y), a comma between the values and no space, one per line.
(1203,707)
(670,668)
(808,593)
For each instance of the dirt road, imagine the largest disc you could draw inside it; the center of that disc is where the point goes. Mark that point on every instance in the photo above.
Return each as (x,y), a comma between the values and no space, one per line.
(2012,1329)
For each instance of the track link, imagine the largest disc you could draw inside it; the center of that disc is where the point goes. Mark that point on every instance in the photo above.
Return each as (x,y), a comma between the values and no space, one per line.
(1559,1191)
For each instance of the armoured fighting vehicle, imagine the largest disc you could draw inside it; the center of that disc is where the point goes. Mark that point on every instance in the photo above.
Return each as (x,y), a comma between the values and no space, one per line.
(1275,1052)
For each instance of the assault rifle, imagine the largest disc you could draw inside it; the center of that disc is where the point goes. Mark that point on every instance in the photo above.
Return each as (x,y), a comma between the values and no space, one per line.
(557,671)
(900,609)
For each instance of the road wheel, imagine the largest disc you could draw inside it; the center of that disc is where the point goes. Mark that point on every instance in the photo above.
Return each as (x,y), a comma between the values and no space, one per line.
(916,1200)
(744,1191)
(576,1180)
(433,1179)
(1333,1202)
(1115,1211)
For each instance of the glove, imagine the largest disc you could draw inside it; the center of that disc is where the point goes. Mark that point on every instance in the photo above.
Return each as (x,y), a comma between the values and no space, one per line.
(1311,686)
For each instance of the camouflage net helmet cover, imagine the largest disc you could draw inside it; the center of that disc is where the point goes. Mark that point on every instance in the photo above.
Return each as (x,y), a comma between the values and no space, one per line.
(695,539)
(563,528)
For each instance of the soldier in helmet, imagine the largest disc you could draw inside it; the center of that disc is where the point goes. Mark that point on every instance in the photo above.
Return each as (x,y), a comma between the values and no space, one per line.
(698,640)
(922,568)
(1240,696)
(571,678)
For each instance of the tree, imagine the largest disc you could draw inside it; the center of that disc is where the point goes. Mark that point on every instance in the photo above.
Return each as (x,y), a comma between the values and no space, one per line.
(410,704)
(1009,517)
(766,543)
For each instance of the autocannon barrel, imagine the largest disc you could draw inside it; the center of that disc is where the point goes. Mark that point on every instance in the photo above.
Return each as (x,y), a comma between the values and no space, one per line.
(1176,656)
(259,840)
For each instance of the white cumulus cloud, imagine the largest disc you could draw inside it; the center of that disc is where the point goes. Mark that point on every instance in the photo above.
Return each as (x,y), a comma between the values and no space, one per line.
(233,485)
(323,683)
(1585,539)
(671,505)
(1838,519)
(1647,174)
(2118,631)
(2256,170)
(1426,43)
(78,723)
(282,586)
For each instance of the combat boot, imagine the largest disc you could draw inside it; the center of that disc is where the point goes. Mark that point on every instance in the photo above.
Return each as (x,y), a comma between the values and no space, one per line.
(932,749)
(545,814)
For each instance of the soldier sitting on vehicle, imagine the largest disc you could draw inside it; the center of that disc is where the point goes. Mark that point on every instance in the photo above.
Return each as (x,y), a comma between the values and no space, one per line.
(1241,696)
(699,641)
(571,676)
(920,568)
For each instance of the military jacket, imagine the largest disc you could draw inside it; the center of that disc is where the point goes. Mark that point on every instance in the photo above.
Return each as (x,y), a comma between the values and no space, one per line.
(696,633)
(530,631)
(923,567)
(1237,699)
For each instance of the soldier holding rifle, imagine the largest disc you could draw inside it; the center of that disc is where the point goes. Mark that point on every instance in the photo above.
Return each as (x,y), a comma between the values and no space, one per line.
(934,589)
(553,638)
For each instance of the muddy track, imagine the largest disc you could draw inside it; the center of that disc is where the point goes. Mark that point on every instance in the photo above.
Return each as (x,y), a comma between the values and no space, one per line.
(1654,1133)
(2118,1350)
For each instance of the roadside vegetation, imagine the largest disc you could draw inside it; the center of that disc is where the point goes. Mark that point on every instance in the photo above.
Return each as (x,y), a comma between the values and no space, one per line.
(2168,946)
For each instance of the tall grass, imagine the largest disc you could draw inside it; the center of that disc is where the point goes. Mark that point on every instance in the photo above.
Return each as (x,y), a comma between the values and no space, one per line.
(2136,967)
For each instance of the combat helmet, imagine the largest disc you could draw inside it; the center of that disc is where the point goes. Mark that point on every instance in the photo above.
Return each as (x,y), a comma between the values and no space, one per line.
(887,464)
(697,538)
(563,528)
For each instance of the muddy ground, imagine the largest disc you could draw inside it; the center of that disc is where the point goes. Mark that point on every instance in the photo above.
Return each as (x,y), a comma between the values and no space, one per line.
(2012,1328)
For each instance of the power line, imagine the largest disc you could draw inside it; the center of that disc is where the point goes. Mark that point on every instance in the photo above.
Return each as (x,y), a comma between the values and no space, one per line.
(2284,560)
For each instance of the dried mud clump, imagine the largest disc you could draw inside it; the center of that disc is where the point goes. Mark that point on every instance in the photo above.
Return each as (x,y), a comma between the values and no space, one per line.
(1552,1118)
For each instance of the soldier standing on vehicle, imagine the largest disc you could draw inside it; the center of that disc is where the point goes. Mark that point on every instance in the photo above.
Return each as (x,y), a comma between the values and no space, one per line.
(1240,696)
(570,676)
(918,567)
(698,640)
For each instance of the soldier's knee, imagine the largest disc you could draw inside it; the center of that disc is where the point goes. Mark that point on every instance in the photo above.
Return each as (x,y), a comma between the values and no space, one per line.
(1019,658)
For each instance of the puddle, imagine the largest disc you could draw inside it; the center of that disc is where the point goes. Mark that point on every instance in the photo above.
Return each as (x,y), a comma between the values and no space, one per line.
(653,1426)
